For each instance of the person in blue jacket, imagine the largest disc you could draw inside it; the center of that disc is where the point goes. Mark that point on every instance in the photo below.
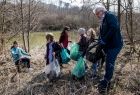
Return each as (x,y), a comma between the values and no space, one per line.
(110,40)
(20,56)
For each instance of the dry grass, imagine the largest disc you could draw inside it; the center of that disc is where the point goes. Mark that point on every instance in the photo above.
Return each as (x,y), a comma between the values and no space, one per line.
(126,79)
(125,82)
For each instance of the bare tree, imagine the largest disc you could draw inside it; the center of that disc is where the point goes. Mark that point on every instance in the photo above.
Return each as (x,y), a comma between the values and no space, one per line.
(22,24)
(119,9)
(3,26)
(108,4)
(29,22)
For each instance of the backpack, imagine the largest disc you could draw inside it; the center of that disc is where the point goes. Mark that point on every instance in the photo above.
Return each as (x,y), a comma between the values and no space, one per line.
(56,47)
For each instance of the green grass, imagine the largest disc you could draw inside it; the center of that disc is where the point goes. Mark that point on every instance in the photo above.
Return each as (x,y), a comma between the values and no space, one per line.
(37,39)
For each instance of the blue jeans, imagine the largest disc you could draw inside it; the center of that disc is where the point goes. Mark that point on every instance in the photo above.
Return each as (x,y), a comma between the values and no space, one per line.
(94,67)
(111,56)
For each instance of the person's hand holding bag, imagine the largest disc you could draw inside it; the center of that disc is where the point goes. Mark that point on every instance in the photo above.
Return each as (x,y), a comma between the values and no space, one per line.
(100,46)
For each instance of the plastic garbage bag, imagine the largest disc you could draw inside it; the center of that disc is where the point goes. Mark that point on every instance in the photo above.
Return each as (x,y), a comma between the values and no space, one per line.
(65,56)
(52,69)
(47,69)
(79,69)
(74,52)
(69,46)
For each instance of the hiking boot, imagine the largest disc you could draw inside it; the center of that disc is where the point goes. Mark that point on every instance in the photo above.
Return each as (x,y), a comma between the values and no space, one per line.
(109,87)
(102,90)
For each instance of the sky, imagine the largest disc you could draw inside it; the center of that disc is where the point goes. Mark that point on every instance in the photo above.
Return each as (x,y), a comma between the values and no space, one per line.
(75,3)
(80,3)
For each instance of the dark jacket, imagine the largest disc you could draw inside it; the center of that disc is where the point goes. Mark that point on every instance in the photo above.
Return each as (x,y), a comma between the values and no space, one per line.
(110,32)
(83,45)
(92,56)
(56,48)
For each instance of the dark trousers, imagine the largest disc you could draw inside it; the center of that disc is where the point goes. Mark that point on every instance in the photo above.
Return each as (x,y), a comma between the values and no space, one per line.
(111,56)
(25,61)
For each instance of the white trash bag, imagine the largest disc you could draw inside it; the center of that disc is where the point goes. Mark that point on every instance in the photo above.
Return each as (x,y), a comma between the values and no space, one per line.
(47,69)
(52,69)
(69,46)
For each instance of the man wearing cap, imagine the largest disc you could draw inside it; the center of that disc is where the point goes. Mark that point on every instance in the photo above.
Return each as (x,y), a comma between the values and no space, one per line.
(110,40)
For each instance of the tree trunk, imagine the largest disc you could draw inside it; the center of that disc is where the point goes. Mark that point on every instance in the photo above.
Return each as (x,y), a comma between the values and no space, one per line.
(108,5)
(119,11)
(131,22)
(3,28)
(29,24)
(131,27)
(22,25)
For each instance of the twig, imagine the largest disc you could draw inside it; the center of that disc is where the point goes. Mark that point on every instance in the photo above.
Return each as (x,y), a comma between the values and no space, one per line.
(57,91)
(79,90)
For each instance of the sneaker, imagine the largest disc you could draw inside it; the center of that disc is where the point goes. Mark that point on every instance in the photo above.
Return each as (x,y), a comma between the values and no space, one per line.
(30,69)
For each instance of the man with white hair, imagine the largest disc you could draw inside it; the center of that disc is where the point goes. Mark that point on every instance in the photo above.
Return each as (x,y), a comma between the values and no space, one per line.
(110,40)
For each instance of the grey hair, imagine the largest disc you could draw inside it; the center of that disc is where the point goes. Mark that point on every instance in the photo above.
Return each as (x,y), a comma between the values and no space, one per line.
(99,8)
(81,30)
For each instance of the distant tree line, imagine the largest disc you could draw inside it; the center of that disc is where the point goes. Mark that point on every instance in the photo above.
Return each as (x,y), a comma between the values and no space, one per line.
(56,17)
